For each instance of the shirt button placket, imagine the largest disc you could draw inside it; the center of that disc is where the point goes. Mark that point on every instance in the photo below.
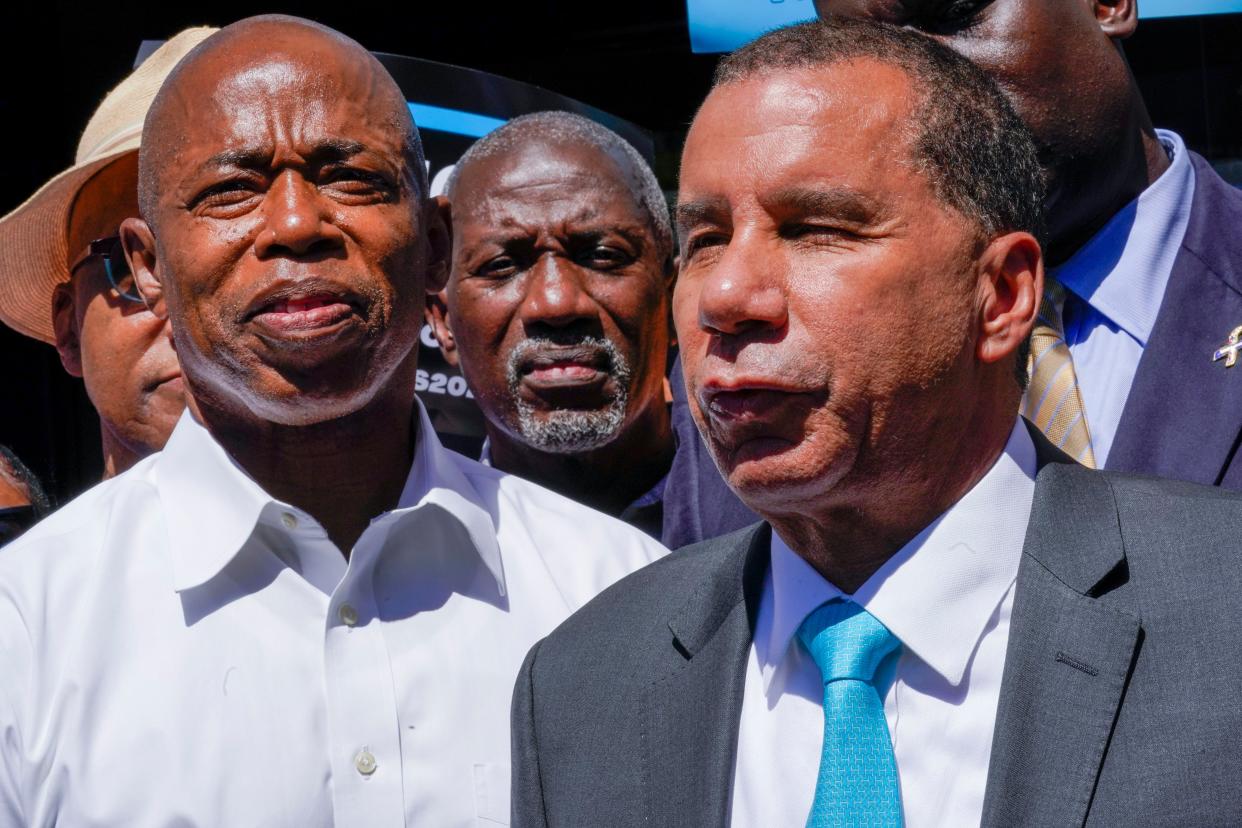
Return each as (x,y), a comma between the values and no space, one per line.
(362,707)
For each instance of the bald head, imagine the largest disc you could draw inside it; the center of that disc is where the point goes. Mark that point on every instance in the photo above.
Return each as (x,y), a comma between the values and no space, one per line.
(286,230)
(273,55)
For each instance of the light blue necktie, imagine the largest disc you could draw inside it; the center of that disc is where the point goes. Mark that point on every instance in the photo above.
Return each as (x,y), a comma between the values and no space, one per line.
(857,783)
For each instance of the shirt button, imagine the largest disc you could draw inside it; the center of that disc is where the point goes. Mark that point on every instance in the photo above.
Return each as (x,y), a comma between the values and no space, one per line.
(348,615)
(365,762)
(289,519)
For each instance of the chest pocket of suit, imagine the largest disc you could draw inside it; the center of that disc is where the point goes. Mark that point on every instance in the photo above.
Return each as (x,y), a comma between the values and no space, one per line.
(491,794)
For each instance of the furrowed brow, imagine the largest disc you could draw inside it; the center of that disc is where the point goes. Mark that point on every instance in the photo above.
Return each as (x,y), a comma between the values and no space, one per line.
(836,202)
(689,213)
(335,149)
(331,149)
(244,158)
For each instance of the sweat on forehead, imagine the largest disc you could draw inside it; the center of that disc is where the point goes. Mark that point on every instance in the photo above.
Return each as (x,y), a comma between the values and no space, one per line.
(277,56)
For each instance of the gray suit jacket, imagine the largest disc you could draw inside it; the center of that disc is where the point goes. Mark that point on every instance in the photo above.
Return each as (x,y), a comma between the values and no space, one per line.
(1121,702)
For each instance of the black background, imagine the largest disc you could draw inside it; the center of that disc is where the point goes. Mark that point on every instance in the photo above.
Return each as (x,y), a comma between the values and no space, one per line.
(632,59)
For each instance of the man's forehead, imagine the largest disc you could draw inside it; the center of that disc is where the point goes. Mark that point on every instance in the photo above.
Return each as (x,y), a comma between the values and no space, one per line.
(852,102)
(549,174)
(255,112)
(794,135)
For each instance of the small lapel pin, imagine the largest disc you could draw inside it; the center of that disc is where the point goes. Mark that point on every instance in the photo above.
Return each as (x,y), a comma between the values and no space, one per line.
(1229,351)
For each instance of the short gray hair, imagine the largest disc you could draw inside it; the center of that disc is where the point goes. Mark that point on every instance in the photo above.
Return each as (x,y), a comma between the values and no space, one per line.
(556,127)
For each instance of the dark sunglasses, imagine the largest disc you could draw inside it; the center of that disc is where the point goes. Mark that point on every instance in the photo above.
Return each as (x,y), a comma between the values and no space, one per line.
(109,250)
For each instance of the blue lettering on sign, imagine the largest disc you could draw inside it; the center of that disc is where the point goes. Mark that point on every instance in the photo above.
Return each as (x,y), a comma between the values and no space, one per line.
(456,121)
(724,25)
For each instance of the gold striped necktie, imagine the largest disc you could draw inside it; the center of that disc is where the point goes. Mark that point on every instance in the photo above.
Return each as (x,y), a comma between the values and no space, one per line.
(1053,402)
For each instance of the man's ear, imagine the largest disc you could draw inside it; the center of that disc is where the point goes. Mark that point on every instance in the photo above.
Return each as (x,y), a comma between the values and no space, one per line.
(439,224)
(65,325)
(437,316)
(670,282)
(1011,283)
(1117,18)
(138,242)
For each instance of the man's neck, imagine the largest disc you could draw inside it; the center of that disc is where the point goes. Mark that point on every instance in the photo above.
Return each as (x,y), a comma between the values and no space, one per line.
(847,538)
(1086,199)
(343,472)
(609,478)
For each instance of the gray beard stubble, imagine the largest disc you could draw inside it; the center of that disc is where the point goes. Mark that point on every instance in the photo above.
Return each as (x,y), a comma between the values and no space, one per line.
(570,431)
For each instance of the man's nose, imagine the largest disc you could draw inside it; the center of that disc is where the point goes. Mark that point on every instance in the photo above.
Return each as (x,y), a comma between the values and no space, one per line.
(556,294)
(743,291)
(297,219)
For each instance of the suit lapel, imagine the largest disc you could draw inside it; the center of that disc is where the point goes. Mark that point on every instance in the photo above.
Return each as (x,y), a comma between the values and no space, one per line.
(694,711)
(1184,411)
(1069,653)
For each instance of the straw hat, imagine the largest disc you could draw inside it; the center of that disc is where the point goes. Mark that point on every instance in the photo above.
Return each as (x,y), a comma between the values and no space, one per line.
(34,236)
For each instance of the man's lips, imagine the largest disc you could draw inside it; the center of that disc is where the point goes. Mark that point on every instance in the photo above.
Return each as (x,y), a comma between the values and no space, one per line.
(753,419)
(561,368)
(302,312)
(746,401)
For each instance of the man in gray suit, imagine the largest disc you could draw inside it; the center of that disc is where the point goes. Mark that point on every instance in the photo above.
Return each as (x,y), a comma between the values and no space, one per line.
(944,620)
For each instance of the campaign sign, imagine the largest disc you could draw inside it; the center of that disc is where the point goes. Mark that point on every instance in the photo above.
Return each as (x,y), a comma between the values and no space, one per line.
(724,25)
(453,106)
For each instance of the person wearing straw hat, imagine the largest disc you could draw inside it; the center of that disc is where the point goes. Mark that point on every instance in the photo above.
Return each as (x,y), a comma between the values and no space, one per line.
(65,282)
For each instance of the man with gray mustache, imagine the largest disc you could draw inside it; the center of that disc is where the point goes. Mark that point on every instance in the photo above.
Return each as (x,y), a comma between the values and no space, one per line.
(557,310)
(569,430)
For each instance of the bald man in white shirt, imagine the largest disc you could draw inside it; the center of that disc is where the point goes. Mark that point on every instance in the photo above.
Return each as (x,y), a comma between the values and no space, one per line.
(304,611)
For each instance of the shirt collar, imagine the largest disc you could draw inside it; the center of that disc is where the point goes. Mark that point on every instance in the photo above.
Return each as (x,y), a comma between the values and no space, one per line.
(940,590)
(436,478)
(1123,270)
(212,507)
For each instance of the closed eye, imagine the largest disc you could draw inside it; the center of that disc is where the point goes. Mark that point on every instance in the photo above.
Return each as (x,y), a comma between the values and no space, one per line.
(225,194)
(698,242)
(817,233)
(353,182)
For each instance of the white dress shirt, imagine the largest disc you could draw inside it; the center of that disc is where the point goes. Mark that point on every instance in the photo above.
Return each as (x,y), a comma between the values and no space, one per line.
(1116,283)
(181,649)
(947,596)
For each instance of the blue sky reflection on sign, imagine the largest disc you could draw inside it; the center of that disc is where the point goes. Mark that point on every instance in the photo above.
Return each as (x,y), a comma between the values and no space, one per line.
(723,25)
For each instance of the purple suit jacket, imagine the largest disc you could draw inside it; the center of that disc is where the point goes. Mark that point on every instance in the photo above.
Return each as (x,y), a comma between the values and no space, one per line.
(1183,417)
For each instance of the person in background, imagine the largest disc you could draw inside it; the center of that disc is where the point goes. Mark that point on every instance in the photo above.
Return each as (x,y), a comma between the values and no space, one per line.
(70,285)
(304,610)
(945,620)
(1133,357)
(22,498)
(557,310)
